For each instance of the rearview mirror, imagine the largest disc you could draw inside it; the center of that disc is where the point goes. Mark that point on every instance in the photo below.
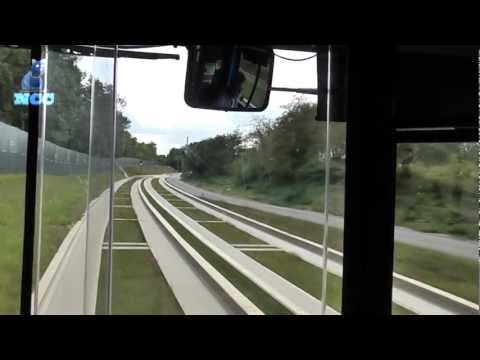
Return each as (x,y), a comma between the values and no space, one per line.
(230,78)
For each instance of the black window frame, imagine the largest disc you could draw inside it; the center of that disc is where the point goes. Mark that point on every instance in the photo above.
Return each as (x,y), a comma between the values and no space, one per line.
(370,182)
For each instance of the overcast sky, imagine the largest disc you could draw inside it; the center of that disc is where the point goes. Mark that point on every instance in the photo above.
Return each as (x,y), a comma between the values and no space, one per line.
(154,89)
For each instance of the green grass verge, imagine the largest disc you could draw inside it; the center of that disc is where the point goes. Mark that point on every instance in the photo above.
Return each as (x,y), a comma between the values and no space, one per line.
(456,275)
(64,202)
(148,170)
(301,195)
(439,197)
(259,297)
(12,188)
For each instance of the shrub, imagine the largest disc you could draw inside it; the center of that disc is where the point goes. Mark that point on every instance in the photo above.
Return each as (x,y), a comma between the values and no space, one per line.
(436,190)
(457,192)
(405,172)
(454,217)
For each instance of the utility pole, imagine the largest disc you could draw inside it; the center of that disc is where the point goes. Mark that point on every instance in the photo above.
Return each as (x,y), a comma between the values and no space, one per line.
(184,154)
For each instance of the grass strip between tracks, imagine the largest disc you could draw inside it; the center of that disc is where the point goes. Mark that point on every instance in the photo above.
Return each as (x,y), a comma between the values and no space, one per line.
(138,286)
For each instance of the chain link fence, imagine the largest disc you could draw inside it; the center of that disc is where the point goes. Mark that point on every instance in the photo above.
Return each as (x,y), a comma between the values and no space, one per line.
(57,159)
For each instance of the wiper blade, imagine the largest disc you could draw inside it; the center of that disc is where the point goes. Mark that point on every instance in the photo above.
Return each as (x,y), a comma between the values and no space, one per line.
(105,52)
(297,90)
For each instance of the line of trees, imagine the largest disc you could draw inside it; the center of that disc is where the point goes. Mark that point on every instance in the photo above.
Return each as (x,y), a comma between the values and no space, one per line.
(68,118)
(291,149)
(288,149)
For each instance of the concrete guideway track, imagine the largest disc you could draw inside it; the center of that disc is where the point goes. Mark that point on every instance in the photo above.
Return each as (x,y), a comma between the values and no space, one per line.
(295,299)
(409,293)
(191,286)
(438,242)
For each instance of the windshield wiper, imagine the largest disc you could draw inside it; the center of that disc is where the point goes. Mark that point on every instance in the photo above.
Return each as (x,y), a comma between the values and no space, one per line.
(297,90)
(105,52)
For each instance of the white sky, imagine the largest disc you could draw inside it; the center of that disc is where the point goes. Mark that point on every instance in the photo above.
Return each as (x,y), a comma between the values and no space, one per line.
(154,93)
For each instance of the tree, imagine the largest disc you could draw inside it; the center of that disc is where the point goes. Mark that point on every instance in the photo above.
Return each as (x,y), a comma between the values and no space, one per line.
(286,145)
(174,158)
(68,119)
(13,65)
(213,156)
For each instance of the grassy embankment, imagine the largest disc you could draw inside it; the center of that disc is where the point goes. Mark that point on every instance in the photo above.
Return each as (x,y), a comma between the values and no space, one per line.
(64,203)
(148,170)
(429,198)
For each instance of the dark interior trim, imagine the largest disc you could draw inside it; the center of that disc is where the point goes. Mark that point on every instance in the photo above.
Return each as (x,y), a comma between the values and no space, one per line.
(30,201)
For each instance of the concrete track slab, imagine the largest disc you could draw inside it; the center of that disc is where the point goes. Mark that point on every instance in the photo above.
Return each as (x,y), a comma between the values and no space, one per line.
(293,297)
(194,293)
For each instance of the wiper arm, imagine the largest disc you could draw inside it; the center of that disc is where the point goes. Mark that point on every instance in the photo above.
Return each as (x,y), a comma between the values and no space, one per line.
(104,52)
(297,90)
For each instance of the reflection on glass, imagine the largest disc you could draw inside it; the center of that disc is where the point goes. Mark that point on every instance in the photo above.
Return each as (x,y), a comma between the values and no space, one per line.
(62,184)
(13,146)
(437,228)
(336,204)
(75,162)
(102,133)
(228,78)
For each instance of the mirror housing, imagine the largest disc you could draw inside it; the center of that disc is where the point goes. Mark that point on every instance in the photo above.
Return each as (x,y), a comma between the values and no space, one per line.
(229,78)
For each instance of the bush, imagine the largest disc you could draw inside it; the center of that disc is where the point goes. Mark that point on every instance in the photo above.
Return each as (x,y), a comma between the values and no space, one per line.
(436,190)
(457,192)
(405,172)
(410,214)
(454,217)
(460,229)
